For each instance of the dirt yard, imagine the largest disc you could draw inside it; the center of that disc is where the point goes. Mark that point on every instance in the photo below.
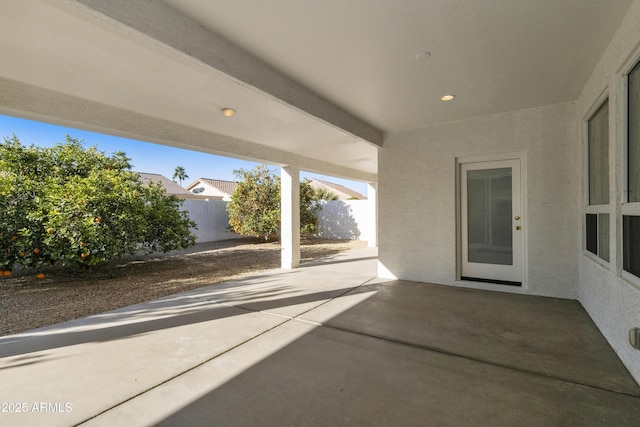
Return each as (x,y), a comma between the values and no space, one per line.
(27,302)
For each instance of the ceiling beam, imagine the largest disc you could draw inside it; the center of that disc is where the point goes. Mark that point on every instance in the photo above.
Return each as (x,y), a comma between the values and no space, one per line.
(30,102)
(166,26)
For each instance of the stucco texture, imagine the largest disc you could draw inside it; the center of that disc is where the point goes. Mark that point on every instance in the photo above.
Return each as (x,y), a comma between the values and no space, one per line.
(417,208)
(611,299)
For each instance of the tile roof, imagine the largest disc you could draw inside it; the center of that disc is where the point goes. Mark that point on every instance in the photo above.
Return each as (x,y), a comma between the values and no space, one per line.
(228,187)
(341,191)
(224,186)
(170,186)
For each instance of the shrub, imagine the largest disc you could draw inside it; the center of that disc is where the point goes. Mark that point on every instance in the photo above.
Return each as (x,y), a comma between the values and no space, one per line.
(254,209)
(70,205)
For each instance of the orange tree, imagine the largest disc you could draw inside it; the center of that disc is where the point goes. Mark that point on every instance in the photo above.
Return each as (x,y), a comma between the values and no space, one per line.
(254,209)
(70,205)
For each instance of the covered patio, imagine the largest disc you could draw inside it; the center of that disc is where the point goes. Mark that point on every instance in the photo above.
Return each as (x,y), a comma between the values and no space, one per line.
(412,98)
(325,344)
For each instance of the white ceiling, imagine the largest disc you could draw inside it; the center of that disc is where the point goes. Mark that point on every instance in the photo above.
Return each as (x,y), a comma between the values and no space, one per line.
(494,55)
(141,57)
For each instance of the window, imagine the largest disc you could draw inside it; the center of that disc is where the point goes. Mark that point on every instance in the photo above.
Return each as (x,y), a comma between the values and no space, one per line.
(631,244)
(597,212)
(631,207)
(598,132)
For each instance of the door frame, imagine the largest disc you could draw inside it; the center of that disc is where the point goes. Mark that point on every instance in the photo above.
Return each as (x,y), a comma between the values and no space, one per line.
(520,156)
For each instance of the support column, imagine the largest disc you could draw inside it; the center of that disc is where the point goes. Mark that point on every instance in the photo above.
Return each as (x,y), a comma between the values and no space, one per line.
(372,197)
(290,217)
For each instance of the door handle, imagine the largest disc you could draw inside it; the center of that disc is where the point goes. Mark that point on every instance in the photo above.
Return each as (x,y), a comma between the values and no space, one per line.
(517,227)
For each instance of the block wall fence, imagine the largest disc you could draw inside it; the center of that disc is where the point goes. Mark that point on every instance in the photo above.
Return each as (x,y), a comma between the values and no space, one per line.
(338,219)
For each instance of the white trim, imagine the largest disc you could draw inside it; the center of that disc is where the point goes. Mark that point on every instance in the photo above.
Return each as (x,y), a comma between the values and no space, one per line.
(595,106)
(595,258)
(631,209)
(631,279)
(585,167)
(631,60)
(597,209)
(605,96)
(634,207)
(619,85)
(487,158)
(519,155)
(626,208)
(622,132)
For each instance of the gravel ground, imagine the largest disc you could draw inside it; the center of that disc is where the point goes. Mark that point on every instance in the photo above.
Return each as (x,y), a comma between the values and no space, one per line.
(27,302)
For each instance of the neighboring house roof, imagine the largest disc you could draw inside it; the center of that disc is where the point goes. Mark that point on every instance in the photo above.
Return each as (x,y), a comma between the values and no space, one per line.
(170,187)
(343,193)
(213,187)
(219,187)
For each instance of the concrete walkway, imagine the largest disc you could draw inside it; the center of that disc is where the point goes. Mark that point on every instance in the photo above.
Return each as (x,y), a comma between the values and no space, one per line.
(326,344)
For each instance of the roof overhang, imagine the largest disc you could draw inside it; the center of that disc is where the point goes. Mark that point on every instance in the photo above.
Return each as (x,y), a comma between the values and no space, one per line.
(141,70)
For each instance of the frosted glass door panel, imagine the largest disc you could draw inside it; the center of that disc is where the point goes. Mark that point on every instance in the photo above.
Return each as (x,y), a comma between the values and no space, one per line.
(489,213)
(491,222)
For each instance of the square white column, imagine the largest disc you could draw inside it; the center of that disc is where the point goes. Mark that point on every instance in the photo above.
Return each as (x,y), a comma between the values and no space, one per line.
(372,197)
(290,217)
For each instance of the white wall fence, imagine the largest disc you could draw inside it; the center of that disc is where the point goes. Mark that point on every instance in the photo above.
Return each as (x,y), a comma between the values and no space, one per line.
(211,218)
(344,219)
(338,219)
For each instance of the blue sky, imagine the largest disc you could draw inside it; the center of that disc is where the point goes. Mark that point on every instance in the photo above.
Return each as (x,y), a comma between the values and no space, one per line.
(145,157)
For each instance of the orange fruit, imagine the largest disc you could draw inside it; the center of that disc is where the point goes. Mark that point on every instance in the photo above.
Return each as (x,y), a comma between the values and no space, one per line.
(50,230)
(21,254)
(98,219)
(36,251)
(40,276)
(84,254)
(14,238)
(83,244)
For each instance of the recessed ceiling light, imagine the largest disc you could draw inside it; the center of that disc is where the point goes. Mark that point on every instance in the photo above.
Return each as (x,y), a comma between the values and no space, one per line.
(447,97)
(423,55)
(228,112)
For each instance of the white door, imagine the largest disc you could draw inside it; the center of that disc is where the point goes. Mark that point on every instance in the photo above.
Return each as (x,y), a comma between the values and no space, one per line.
(491,222)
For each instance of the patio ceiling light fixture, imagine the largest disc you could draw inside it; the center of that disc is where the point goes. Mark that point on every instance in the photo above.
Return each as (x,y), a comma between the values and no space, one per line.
(228,112)
(447,97)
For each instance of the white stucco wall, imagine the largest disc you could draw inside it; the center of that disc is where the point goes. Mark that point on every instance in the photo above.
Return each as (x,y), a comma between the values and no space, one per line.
(209,191)
(417,196)
(339,219)
(211,218)
(612,301)
(344,219)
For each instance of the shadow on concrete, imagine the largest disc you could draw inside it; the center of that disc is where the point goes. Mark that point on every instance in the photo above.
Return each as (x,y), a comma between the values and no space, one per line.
(377,353)
(418,354)
(135,321)
(329,261)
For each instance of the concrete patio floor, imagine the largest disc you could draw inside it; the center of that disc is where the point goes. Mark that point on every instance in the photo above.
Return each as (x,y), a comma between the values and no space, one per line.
(325,344)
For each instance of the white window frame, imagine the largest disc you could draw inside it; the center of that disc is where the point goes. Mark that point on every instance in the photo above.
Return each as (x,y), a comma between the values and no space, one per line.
(596,209)
(627,208)
(459,161)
